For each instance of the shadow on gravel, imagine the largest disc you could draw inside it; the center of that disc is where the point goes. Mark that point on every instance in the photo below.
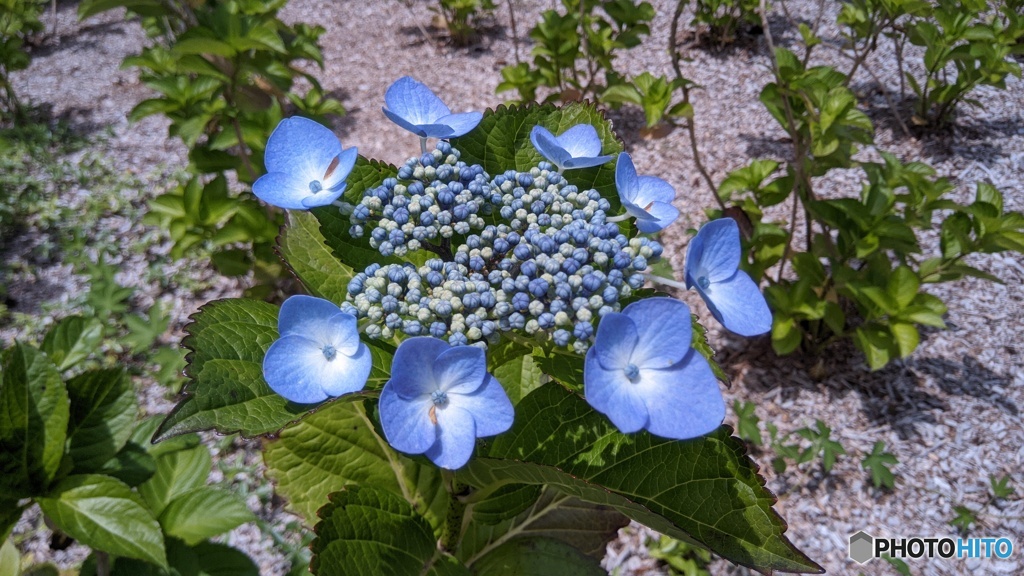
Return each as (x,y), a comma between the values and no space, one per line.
(86,37)
(895,396)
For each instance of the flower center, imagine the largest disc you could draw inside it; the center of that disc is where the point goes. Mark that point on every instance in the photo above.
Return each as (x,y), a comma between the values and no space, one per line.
(439,398)
(315,186)
(329,352)
(703,282)
(632,372)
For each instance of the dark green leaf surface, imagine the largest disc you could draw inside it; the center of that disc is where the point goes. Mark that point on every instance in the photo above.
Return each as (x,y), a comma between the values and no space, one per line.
(103,412)
(303,248)
(365,530)
(105,514)
(71,340)
(502,142)
(132,465)
(203,513)
(34,414)
(177,472)
(337,446)
(704,489)
(537,556)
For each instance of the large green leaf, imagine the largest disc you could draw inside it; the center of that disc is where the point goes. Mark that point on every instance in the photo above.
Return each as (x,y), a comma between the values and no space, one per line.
(132,465)
(104,513)
(585,527)
(34,414)
(71,340)
(502,142)
(537,556)
(227,392)
(103,412)
(177,473)
(337,447)
(365,530)
(203,559)
(203,513)
(704,489)
(515,368)
(303,248)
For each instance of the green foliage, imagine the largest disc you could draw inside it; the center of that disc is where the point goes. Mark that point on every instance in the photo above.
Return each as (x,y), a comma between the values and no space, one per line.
(963,519)
(574,52)
(723,19)
(747,422)
(225,71)
(19,20)
(878,463)
(863,270)
(72,445)
(819,443)
(654,94)
(462,18)
(999,489)
(543,497)
(682,559)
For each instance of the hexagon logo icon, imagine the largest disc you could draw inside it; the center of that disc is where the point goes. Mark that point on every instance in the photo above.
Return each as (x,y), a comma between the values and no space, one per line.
(861,545)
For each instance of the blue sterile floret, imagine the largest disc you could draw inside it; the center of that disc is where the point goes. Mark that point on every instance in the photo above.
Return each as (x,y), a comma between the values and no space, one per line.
(519,251)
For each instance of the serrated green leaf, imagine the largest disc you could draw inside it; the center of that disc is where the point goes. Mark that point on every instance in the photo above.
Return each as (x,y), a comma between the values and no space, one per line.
(363,530)
(203,513)
(538,557)
(700,343)
(34,415)
(703,490)
(304,250)
(502,142)
(338,446)
(71,340)
(103,411)
(177,473)
(104,513)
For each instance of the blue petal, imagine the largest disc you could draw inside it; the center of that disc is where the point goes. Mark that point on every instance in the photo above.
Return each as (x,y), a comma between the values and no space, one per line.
(715,251)
(545,143)
(683,401)
(460,124)
(653,189)
(414,102)
(406,423)
(616,340)
(662,215)
(346,160)
(460,370)
(588,162)
(284,190)
(410,373)
(738,304)
(489,404)
(626,180)
(663,331)
(324,197)
(456,438)
(580,141)
(414,128)
(611,393)
(301,147)
(310,317)
(294,368)
(347,372)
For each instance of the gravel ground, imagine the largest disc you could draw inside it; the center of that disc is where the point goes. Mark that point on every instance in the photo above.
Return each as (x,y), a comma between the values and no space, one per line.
(950,413)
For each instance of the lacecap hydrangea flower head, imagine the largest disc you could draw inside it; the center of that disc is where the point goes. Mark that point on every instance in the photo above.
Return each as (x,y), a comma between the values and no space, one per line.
(306,166)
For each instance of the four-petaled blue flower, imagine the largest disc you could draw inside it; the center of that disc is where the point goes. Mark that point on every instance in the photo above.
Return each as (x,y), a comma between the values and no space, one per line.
(412,105)
(646,198)
(319,354)
(577,147)
(712,267)
(440,399)
(306,166)
(643,374)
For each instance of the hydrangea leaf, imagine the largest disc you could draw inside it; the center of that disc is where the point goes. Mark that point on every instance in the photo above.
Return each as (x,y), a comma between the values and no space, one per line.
(701,344)
(71,340)
(703,490)
(505,503)
(502,142)
(177,473)
(515,368)
(585,527)
(203,513)
(34,415)
(102,417)
(305,251)
(104,514)
(535,556)
(305,472)
(365,530)
(226,391)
